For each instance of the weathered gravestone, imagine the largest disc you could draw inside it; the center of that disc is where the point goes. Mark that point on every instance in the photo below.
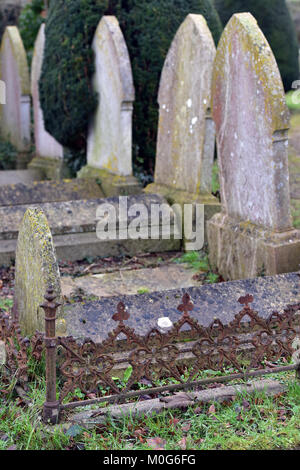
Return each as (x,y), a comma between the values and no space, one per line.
(253,234)
(186,133)
(15,114)
(49,153)
(36,271)
(109,150)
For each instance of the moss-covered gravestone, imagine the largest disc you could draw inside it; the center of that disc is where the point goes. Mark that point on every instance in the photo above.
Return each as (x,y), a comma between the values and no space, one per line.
(36,270)
(186,131)
(15,114)
(109,150)
(253,234)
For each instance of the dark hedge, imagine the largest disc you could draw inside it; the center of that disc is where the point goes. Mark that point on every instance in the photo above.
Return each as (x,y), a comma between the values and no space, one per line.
(66,94)
(274,19)
(65,86)
(9,15)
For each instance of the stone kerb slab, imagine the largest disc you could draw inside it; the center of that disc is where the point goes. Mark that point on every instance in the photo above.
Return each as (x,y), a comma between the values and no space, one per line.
(36,270)
(49,153)
(109,149)
(186,132)
(15,114)
(253,234)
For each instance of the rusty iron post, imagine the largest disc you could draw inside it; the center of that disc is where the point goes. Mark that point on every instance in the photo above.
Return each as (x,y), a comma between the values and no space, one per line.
(298,372)
(52,405)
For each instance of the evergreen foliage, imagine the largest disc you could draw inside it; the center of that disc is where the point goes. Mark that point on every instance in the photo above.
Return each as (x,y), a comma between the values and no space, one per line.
(30,21)
(65,86)
(66,94)
(149,28)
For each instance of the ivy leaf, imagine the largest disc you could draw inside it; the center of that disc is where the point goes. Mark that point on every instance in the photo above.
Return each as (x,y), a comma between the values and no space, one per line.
(74,431)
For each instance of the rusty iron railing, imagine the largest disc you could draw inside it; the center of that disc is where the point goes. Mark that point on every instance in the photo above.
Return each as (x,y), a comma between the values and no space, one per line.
(17,347)
(246,346)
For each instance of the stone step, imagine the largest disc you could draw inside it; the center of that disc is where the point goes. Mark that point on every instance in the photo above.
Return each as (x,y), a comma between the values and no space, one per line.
(94,319)
(73,226)
(8,177)
(37,192)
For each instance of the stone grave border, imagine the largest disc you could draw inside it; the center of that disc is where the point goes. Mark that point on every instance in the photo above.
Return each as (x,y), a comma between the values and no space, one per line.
(84,364)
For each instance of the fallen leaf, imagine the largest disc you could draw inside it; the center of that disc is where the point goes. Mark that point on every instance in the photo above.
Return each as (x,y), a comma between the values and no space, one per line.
(186,427)
(198,410)
(211,410)
(246,404)
(182,443)
(173,421)
(139,433)
(156,443)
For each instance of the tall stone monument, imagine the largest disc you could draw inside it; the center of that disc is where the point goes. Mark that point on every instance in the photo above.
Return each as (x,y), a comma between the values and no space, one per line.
(109,150)
(186,132)
(253,234)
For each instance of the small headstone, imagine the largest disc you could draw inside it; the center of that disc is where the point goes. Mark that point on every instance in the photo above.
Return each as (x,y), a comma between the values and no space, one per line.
(186,131)
(36,270)
(46,146)
(15,114)
(109,149)
(253,235)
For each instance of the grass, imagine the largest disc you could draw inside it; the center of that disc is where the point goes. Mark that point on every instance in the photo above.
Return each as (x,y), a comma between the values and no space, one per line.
(293,100)
(249,422)
(143,290)
(6,304)
(215,178)
(199,262)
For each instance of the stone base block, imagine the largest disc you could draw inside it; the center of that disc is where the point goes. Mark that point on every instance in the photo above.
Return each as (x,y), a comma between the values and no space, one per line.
(112,185)
(50,168)
(176,196)
(240,250)
(23,158)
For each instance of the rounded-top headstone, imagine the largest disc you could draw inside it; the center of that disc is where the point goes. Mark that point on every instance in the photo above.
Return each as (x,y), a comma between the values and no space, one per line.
(110,134)
(185,146)
(45,144)
(14,72)
(36,271)
(252,119)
